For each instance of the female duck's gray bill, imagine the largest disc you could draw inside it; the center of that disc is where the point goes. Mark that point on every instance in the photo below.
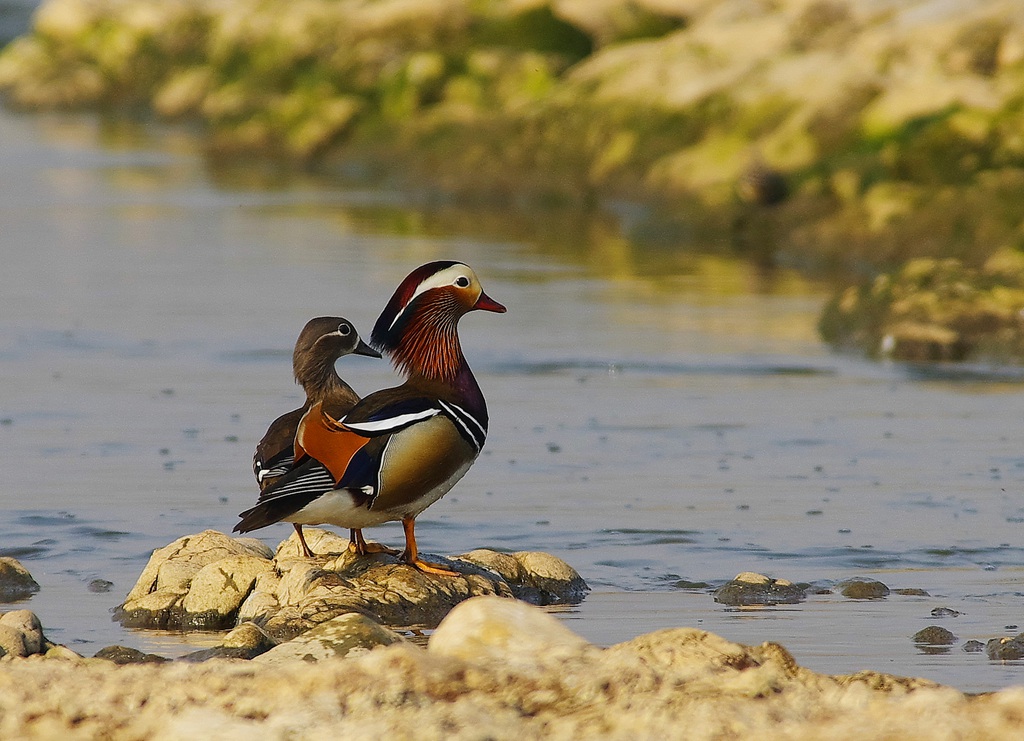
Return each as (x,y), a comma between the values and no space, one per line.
(363,349)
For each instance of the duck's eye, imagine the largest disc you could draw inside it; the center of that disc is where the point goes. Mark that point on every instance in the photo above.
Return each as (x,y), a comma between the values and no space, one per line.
(462,281)
(344,330)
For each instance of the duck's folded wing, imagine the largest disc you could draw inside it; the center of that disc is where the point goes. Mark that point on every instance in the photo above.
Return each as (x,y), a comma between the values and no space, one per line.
(286,496)
(275,453)
(278,465)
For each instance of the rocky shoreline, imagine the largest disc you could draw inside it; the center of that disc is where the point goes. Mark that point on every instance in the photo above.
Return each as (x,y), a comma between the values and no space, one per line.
(316,647)
(495,668)
(844,138)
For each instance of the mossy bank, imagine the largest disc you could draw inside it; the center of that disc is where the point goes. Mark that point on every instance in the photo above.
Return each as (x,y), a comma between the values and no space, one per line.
(838,136)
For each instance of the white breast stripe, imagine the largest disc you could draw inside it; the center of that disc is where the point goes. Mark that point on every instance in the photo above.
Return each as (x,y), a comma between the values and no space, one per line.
(470,426)
(391,423)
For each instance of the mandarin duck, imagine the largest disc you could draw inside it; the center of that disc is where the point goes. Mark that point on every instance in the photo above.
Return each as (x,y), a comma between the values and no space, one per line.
(400,449)
(321,343)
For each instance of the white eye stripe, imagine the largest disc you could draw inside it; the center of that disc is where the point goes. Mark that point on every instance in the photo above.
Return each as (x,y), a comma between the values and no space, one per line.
(440,279)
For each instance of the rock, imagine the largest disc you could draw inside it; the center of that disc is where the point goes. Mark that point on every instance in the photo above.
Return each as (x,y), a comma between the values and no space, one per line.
(249,636)
(349,634)
(534,577)
(1006,648)
(122,655)
(500,669)
(12,643)
(687,584)
(212,581)
(100,586)
(27,624)
(15,581)
(21,635)
(379,587)
(934,635)
(941,612)
(861,588)
(218,590)
(516,635)
(219,652)
(756,589)
(162,597)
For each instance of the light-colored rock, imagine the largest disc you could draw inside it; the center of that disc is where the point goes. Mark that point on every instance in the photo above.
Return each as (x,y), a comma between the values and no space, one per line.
(673,683)
(218,589)
(554,579)
(26,623)
(508,632)
(211,581)
(12,642)
(749,588)
(15,581)
(162,597)
(349,634)
(248,636)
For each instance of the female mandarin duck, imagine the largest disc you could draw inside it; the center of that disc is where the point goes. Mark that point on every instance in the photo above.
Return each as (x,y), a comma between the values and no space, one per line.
(401,449)
(321,343)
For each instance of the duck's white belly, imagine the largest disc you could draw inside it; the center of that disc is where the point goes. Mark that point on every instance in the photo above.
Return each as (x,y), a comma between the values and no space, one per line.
(338,508)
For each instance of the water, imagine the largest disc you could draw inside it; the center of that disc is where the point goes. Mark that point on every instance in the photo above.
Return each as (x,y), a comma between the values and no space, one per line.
(657,414)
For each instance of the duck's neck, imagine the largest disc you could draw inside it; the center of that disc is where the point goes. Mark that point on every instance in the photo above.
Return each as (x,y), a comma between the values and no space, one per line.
(320,380)
(438,365)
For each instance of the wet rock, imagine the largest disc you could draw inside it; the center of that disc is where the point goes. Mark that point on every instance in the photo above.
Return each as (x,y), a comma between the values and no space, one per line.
(1006,648)
(211,581)
(756,589)
(942,612)
(122,655)
(15,581)
(686,584)
(860,588)
(100,586)
(250,637)
(219,652)
(934,635)
(349,634)
(164,596)
(534,577)
(973,647)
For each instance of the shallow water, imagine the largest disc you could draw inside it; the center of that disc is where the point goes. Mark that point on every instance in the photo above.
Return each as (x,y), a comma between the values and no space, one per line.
(656,415)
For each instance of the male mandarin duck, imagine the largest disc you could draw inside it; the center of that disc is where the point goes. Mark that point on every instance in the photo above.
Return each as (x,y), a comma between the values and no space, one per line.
(401,449)
(321,343)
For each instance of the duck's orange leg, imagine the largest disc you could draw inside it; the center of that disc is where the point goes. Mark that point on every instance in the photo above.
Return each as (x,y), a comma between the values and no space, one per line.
(411,553)
(361,547)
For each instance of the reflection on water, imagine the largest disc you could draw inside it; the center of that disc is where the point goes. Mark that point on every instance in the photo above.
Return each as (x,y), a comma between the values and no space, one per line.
(661,417)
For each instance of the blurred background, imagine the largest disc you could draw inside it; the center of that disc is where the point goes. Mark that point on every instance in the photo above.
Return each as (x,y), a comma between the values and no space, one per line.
(762,263)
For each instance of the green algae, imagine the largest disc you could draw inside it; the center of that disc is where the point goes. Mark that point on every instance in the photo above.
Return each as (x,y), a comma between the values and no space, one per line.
(528,102)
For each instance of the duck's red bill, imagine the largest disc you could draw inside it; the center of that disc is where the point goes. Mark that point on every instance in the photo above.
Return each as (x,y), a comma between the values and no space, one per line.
(486,303)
